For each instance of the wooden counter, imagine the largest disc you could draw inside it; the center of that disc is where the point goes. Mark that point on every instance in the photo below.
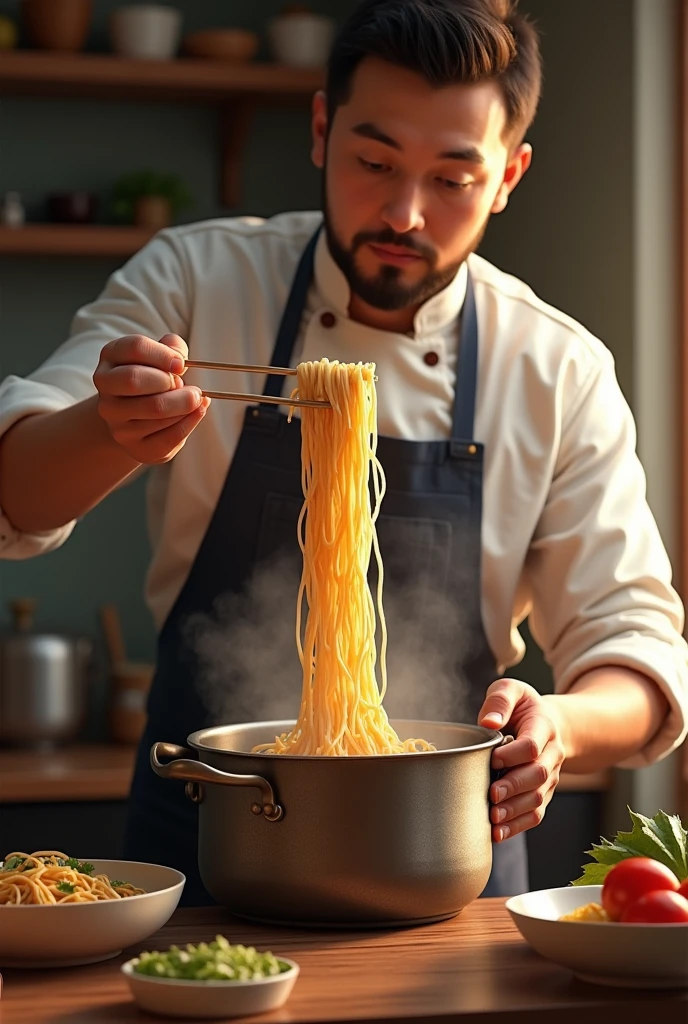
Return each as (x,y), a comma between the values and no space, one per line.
(83,772)
(104,771)
(475,969)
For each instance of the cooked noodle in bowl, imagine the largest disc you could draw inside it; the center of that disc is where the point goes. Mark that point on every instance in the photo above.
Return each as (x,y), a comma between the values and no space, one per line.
(59,911)
(49,876)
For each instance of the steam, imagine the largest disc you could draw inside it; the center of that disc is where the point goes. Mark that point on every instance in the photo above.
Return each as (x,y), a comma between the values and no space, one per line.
(247,660)
(248,667)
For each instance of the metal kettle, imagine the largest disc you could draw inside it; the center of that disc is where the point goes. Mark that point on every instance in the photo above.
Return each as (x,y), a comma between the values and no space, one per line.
(43,682)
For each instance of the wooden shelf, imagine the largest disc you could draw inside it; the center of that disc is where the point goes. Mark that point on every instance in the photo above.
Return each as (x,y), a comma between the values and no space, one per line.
(234,88)
(72,240)
(103,76)
(104,771)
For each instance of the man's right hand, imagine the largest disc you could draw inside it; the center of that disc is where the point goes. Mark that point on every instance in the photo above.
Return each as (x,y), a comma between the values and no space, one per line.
(142,397)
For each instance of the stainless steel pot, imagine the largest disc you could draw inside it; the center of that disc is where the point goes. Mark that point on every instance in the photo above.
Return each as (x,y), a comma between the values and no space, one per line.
(43,682)
(388,840)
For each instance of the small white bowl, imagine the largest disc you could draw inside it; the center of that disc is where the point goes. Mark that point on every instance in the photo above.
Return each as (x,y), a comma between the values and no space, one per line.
(601,952)
(70,934)
(301,40)
(178,997)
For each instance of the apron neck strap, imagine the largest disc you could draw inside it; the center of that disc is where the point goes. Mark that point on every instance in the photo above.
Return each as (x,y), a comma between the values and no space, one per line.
(291,318)
(466,369)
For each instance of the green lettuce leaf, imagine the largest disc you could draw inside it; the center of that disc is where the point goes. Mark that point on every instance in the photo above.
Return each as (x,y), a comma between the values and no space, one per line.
(663,838)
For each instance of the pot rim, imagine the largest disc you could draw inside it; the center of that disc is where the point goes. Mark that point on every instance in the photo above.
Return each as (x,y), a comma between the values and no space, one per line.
(493,739)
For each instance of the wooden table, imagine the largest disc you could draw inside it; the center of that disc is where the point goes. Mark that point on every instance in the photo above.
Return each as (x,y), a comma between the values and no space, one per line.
(475,969)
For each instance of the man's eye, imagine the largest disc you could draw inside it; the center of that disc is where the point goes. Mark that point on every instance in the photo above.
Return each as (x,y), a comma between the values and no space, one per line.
(370,166)
(454,186)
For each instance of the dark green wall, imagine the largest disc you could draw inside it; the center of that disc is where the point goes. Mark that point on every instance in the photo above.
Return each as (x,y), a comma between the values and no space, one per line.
(568,232)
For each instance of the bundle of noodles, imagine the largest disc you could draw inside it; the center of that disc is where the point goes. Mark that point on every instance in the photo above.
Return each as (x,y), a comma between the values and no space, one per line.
(50,877)
(341,704)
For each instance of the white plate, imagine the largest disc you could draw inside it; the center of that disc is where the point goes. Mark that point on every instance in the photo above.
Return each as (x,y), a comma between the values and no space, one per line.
(68,934)
(176,997)
(601,952)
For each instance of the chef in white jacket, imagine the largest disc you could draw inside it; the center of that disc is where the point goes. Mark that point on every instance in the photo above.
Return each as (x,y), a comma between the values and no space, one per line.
(515,487)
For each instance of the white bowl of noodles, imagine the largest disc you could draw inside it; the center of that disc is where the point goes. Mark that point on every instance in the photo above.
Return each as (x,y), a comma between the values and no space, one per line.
(68,934)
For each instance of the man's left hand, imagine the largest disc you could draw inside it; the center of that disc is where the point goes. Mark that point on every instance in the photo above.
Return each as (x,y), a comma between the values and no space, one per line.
(533,760)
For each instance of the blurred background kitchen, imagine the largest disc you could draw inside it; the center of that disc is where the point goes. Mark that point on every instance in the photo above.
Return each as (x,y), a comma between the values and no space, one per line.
(118,119)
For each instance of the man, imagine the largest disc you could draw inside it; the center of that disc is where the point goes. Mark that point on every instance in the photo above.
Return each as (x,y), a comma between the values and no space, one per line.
(510,452)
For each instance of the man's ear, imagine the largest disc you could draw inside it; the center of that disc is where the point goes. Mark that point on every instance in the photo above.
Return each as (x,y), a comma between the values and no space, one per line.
(518,164)
(319,128)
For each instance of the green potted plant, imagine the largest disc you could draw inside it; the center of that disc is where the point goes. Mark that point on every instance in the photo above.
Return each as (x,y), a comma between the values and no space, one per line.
(149,199)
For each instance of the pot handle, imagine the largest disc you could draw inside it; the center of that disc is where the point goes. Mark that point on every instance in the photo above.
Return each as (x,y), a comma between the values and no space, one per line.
(192,771)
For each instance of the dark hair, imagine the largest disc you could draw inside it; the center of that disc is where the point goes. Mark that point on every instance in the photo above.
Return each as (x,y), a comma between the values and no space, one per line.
(447,42)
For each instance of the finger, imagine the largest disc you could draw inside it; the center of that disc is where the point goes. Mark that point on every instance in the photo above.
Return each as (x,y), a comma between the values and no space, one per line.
(173,341)
(136,430)
(132,431)
(514,808)
(533,735)
(164,444)
(136,348)
(134,379)
(523,822)
(165,405)
(523,780)
(500,700)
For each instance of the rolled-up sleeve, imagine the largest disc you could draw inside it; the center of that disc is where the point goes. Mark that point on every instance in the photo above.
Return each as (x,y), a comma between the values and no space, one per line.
(149,296)
(598,573)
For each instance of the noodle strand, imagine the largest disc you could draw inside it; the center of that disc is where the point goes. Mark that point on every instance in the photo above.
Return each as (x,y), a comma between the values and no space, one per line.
(341,703)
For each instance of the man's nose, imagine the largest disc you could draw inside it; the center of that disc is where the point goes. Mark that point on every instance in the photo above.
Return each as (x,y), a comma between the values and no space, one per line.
(403,211)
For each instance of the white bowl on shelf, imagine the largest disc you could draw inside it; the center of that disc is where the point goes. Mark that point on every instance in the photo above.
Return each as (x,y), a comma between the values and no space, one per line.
(301,40)
(601,952)
(71,934)
(145,31)
(204,1000)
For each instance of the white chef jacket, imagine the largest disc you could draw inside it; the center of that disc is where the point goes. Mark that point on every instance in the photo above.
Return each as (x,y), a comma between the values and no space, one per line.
(567,535)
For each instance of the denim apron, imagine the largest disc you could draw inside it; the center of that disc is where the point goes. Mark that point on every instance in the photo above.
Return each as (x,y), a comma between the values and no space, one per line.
(439,661)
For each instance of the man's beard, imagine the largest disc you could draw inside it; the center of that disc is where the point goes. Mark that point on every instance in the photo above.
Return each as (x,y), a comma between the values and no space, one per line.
(386,290)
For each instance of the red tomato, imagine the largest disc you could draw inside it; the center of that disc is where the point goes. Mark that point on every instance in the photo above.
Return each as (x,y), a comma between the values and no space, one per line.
(683,888)
(660,907)
(630,879)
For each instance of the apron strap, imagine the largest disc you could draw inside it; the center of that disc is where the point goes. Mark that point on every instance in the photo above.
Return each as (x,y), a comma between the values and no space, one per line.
(466,369)
(291,318)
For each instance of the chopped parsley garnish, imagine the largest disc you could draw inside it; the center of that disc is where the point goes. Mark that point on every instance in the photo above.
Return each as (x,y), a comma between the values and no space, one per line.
(66,887)
(117,883)
(13,864)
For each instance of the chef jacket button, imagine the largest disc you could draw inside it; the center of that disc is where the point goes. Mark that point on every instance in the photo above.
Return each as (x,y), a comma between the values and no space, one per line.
(328,319)
(431,358)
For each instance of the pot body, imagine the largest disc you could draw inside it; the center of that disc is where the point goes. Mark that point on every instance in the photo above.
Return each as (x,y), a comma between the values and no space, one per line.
(152,212)
(394,839)
(43,684)
(57,24)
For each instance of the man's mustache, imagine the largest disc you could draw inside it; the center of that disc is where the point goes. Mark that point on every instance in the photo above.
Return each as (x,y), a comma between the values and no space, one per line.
(389,237)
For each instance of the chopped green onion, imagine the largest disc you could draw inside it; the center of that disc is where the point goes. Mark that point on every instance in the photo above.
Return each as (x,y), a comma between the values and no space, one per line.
(214,961)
